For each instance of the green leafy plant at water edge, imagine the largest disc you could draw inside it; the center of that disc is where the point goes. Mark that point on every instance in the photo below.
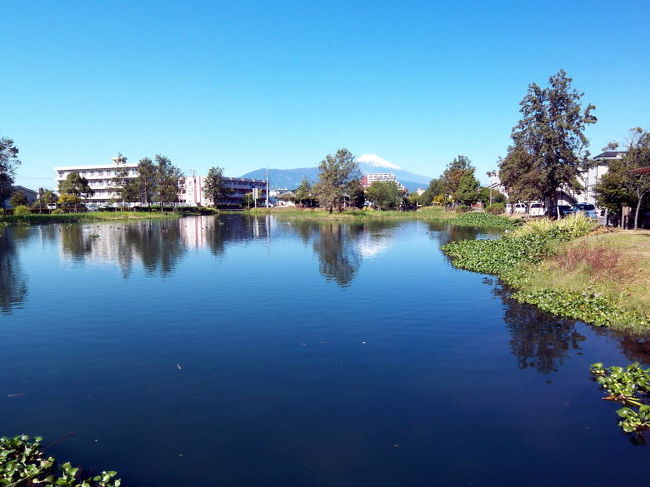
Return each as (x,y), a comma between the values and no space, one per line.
(485,220)
(588,306)
(512,256)
(23,463)
(629,386)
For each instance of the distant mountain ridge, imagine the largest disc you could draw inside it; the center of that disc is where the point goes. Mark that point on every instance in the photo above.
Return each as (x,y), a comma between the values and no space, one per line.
(369,163)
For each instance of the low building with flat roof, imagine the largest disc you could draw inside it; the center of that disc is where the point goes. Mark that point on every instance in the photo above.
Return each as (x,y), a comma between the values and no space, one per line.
(236,189)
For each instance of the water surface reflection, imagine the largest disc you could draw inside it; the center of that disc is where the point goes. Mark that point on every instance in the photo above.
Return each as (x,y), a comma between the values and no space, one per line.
(253,351)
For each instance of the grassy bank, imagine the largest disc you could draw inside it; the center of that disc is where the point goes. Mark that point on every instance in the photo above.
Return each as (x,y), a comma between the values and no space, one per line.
(91,216)
(569,268)
(473,219)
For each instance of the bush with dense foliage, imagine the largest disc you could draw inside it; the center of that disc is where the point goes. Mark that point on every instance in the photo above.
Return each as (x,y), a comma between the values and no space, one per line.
(496,208)
(21,210)
(23,463)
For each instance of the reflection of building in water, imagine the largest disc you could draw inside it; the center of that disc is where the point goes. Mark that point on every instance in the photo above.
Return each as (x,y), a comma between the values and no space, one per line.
(157,245)
(13,285)
(195,231)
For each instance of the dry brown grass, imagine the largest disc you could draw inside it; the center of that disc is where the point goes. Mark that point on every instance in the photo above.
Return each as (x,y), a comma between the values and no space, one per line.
(599,262)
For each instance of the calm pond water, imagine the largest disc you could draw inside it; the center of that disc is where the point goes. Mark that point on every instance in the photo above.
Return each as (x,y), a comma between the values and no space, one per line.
(239,351)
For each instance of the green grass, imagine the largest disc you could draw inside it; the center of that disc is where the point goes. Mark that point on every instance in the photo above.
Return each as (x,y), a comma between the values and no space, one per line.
(93,216)
(473,219)
(569,269)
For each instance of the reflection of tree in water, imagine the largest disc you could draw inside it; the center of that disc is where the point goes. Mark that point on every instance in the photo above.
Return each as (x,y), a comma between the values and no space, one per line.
(338,255)
(445,233)
(158,245)
(538,339)
(234,228)
(13,285)
(635,347)
(340,246)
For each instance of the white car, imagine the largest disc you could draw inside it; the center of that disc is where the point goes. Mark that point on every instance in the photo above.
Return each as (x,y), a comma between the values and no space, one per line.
(536,209)
(520,208)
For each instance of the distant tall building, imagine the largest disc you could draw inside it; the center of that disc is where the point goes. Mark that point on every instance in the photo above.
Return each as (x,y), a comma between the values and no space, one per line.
(373,177)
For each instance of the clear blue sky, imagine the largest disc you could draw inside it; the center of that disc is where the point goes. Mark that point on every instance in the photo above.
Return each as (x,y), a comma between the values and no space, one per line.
(247,84)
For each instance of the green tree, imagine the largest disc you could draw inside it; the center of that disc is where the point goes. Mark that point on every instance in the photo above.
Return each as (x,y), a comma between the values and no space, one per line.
(214,187)
(549,146)
(337,176)
(489,196)
(385,195)
(356,196)
(169,181)
(8,163)
(69,202)
(436,187)
(304,192)
(49,197)
(18,198)
(146,181)
(467,191)
(131,192)
(453,174)
(75,185)
(248,200)
(120,177)
(622,185)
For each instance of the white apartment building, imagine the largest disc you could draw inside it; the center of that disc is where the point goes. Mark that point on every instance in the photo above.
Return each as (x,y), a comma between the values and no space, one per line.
(372,177)
(589,179)
(236,188)
(100,179)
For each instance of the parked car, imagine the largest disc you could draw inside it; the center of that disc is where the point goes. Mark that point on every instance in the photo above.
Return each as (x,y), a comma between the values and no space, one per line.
(586,209)
(520,208)
(536,209)
(564,210)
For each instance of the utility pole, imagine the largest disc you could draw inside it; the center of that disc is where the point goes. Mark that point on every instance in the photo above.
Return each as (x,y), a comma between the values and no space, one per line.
(267,187)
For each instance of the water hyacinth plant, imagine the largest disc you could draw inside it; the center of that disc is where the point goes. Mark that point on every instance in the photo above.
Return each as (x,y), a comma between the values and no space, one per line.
(520,258)
(23,463)
(629,386)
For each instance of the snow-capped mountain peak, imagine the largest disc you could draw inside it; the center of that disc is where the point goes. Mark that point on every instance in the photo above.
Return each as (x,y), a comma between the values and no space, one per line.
(375,160)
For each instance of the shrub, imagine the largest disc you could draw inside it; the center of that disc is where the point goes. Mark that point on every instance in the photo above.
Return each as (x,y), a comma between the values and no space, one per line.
(496,208)
(573,226)
(462,208)
(21,210)
(58,211)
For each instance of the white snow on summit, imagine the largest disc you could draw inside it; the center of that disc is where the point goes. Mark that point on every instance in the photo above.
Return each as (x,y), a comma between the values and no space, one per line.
(375,160)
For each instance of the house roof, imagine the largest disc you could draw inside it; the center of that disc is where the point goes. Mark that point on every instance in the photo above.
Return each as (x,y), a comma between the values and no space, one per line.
(23,189)
(610,154)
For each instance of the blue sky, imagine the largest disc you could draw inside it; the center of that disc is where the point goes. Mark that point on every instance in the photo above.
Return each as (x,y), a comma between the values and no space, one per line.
(251,84)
